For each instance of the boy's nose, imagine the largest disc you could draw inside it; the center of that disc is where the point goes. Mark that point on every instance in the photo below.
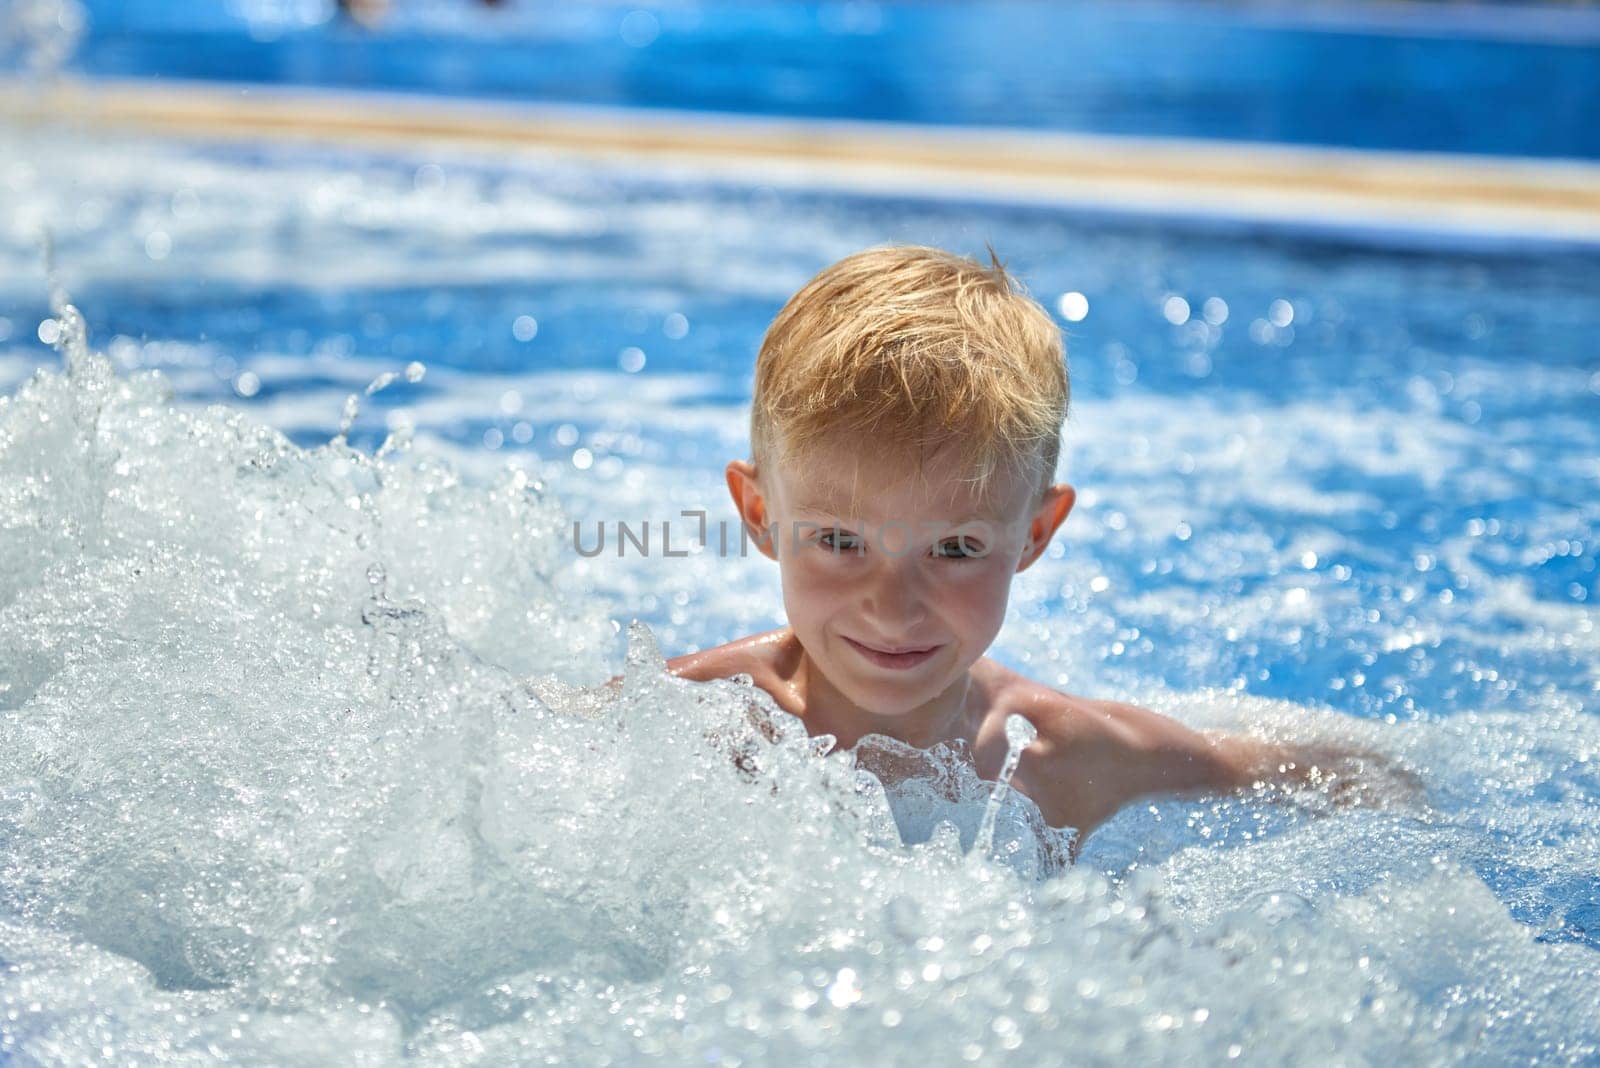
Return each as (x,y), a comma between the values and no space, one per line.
(892,597)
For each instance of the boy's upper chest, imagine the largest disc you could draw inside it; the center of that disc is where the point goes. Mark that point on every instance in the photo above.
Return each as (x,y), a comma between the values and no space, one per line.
(1050,771)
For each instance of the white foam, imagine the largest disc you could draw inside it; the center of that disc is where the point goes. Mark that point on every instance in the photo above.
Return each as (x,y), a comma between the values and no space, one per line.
(294,765)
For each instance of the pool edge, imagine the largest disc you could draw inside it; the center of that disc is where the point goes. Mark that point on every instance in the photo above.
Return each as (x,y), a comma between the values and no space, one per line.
(1492,197)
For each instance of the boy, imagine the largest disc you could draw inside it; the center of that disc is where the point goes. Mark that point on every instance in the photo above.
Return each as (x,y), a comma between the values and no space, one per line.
(905,430)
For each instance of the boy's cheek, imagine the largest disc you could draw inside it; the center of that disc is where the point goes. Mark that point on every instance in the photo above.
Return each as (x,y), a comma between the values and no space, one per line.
(1013,542)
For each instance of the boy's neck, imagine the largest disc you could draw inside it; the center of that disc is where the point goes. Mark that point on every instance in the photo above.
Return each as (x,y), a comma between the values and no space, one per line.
(953,715)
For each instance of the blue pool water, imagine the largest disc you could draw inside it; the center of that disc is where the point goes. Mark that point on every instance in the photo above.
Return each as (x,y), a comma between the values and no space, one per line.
(1520,81)
(291,766)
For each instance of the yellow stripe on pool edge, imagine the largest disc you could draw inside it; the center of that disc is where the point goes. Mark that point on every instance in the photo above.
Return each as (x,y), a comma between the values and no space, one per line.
(1515,196)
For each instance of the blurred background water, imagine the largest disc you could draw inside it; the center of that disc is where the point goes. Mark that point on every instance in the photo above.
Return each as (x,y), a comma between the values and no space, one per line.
(1506,80)
(289,763)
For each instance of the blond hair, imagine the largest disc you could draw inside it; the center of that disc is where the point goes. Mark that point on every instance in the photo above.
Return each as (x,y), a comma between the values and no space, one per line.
(914,349)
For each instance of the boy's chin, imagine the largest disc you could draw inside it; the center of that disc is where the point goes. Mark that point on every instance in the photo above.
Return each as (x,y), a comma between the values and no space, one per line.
(887,700)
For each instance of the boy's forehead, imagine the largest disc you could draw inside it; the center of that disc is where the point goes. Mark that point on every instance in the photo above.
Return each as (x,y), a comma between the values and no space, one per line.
(844,485)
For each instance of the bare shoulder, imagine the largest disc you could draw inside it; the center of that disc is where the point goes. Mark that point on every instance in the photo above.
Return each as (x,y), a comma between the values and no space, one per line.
(750,655)
(1067,722)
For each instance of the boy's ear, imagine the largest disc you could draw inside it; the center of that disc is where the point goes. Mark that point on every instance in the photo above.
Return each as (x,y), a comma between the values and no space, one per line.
(752,505)
(1046,519)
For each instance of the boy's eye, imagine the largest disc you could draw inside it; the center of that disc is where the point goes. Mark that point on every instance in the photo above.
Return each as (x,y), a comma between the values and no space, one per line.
(958,549)
(838,541)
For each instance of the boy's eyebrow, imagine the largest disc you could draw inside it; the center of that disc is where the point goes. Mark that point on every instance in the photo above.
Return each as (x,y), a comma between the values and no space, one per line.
(966,517)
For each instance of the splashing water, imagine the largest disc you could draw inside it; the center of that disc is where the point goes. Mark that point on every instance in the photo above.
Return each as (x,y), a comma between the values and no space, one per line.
(303,755)
(1020,734)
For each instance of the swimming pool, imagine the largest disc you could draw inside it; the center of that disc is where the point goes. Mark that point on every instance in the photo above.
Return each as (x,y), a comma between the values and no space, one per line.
(276,783)
(1512,80)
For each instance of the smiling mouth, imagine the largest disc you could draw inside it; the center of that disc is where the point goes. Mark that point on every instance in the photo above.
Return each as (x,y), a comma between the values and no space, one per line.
(905,657)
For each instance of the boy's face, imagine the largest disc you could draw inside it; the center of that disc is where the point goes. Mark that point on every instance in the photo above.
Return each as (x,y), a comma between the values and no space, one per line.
(895,599)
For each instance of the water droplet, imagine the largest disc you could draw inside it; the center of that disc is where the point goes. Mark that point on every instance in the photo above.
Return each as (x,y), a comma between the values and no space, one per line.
(381,382)
(1020,731)
(347,418)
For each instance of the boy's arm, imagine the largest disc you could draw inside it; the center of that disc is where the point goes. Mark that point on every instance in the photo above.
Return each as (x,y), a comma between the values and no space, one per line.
(1120,753)
(1346,774)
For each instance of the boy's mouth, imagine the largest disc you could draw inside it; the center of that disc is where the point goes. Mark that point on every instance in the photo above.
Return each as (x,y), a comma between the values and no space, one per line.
(894,657)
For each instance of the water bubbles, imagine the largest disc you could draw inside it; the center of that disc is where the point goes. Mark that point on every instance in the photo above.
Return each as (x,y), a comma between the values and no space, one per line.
(631,359)
(157,244)
(69,334)
(643,653)
(247,384)
(1276,907)
(524,328)
(1073,306)
(1175,309)
(1280,313)
(464,843)
(415,371)
(1215,311)
(675,326)
(49,331)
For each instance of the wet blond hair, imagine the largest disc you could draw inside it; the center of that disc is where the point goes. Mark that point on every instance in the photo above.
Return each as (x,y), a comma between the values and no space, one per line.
(910,350)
